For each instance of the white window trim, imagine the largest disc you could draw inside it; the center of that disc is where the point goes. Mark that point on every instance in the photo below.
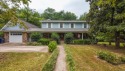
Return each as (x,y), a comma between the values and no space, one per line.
(69,25)
(74,25)
(82,25)
(59,25)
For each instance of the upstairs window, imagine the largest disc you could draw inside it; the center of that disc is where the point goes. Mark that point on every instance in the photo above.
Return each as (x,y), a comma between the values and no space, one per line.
(78,25)
(66,25)
(44,25)
(55,25)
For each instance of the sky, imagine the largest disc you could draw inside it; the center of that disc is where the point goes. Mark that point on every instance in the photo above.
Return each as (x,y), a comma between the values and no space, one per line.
(76,6)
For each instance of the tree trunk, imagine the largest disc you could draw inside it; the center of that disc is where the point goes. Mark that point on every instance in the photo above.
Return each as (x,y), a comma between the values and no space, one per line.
(117,39)
(110,43)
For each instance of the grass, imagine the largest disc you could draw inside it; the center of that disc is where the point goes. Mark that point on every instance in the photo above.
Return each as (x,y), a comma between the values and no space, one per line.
(113,43)
(85,57)
(69,60)
(22,61)
(51,62)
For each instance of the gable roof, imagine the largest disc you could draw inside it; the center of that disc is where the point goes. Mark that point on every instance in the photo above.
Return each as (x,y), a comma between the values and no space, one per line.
(29,25)
(17,27)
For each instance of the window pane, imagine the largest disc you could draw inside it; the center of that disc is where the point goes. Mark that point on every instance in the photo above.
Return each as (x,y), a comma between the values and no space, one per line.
(66,25)
(55,25)
(78,25)
(44,25)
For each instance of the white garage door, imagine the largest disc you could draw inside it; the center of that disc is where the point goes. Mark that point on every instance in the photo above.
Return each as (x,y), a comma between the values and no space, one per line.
(15,37)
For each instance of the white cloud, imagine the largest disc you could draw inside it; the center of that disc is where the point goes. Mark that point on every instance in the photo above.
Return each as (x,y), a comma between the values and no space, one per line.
(76,6)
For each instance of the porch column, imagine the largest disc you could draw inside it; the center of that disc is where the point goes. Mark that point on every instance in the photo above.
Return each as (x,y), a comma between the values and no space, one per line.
(82,36)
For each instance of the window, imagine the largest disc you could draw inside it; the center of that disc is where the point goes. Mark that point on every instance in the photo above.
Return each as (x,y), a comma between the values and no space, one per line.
(78,25)
(55,25)
(66,25)
(44,25)
(16,33)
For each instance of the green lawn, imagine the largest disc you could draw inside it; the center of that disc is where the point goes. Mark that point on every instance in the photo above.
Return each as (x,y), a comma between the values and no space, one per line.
(85,57)
(22,61)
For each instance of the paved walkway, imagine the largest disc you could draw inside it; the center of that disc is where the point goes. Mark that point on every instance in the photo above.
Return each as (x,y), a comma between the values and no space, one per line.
(61,60)
(23,49)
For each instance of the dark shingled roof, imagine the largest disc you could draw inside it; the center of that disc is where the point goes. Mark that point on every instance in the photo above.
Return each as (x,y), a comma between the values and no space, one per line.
(62,21)
(29,25)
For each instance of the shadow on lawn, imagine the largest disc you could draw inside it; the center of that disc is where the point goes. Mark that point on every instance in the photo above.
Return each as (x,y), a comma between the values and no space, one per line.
(111,48)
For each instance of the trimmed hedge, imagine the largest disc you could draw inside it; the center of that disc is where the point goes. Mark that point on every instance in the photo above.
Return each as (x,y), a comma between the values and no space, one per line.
(44,41)
(33,44)
(80,41)
(51,62)
(52,46)
(69,60)
(111,58)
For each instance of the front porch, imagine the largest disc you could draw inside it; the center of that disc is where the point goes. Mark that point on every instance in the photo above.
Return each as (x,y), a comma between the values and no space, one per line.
(76,35)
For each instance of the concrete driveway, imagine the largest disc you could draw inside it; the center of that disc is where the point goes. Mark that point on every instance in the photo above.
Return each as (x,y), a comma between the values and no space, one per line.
(23,48)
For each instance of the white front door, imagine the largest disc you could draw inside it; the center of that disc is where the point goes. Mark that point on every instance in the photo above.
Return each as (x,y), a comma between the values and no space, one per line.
(15,37)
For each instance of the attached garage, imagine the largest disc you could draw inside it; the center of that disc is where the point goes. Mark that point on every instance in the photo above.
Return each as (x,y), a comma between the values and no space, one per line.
(15,37)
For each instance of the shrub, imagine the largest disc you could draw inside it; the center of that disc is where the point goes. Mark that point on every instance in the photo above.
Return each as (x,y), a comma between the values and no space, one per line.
(70,60)
(84,41)
(79,41)
(55,37)
(35,36)
(51,62)
(52,46)
(33,43)
(110,57)
(44,41)
(68,38)
(87,41)
(1,34)
(122,59)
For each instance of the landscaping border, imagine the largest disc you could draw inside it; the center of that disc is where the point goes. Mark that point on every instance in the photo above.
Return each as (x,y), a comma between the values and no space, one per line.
(69,60)
(51,62)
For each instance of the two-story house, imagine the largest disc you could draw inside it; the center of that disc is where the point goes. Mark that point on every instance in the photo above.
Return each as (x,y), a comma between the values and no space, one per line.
(17,34)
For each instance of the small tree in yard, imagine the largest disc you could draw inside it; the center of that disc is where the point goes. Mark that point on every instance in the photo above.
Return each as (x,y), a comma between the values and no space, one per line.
(35,36)
(68,38)
(55,37)
(52,46)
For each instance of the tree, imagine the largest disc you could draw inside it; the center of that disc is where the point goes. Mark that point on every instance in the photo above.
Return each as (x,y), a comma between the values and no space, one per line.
(107,16)
(30,15)
(83,17)
(51,14)
(48,13)
(9,8)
